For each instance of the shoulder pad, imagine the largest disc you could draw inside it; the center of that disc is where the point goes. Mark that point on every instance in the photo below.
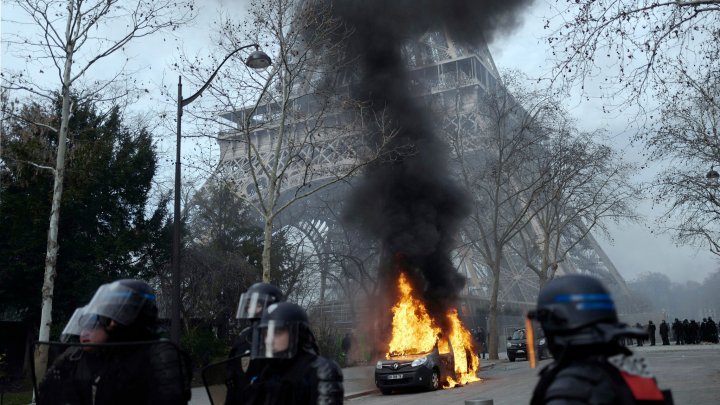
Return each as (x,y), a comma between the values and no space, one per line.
(170,370)
(547,369)
(643,388)
(330,389)
(327,370)
(631,365)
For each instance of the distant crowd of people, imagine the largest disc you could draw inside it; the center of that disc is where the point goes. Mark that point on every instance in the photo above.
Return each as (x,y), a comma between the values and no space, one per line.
(691,333)
(683,332)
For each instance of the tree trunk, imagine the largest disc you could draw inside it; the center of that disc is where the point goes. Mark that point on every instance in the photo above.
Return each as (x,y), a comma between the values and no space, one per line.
(324,266)
(267,249)
(544,269)
(493,327)
(543,278)
(52,240)
(323,281)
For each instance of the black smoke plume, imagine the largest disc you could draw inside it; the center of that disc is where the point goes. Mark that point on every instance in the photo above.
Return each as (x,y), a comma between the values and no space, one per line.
(409,200)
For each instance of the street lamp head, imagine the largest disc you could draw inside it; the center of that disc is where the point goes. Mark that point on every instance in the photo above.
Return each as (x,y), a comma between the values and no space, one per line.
(258,60)
(712,174)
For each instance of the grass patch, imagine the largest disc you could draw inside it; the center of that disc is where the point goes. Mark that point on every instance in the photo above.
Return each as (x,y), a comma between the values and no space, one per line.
(16,398)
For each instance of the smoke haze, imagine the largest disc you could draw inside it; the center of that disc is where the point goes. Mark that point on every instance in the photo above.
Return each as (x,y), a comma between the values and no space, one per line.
(409,200)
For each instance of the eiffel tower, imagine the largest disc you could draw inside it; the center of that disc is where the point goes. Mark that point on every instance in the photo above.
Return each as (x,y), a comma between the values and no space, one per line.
(439,70)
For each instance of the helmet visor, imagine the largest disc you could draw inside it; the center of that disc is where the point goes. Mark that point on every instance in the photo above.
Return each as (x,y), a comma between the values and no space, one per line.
(118,302)
(73,329)
(253,304)
(276,340)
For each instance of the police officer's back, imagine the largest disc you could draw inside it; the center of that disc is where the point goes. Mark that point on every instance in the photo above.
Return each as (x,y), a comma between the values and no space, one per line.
(582,332)
(294,372)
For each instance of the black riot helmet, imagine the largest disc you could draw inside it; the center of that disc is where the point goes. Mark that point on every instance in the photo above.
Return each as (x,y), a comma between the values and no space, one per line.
(283,331)
(571,302)
(131,304)
(254,301)
(577,310)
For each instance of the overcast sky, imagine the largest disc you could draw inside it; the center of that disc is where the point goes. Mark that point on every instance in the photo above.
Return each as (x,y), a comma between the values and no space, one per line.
(634,249)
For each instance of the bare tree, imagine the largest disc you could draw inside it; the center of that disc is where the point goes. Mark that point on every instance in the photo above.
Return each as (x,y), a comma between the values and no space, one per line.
(356,266)
(587,186)
(301,134)
(689,299)
(658,291)
(646,43)
(493,164)
(222,256)
(74,38)
(352,260)
(686,137)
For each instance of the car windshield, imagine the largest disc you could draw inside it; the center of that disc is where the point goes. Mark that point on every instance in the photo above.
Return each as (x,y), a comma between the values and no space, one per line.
(408,356)
(518,334)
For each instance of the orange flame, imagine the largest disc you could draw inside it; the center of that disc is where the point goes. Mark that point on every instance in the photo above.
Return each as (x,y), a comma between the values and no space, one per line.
(467,362)
(415,332)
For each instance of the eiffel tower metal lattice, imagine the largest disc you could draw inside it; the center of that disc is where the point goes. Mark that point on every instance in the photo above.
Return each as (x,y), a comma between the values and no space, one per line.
(440,69)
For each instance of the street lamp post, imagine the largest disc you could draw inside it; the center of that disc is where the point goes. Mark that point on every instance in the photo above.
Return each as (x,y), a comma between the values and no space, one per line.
(256,60)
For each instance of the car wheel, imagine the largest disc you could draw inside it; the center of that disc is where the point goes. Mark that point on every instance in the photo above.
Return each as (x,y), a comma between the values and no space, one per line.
(434,380)
(543,354)
(511,358)
(385,391)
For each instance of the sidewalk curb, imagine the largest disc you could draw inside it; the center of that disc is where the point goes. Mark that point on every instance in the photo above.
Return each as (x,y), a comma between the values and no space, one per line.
(360,393)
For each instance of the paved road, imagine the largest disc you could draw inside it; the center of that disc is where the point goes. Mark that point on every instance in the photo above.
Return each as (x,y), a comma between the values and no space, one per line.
(507,383)
(692,372)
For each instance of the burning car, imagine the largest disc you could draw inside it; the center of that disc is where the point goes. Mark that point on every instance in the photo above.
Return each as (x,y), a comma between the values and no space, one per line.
(517,346)
(421,353)
(425,370)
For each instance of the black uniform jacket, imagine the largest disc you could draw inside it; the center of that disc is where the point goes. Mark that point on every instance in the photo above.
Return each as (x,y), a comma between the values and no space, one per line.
(156,374)
(595,381)
(306,379)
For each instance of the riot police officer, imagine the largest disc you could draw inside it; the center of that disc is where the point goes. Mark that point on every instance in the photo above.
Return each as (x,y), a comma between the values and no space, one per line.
(126,362)
(651,332)
(664,331)
(590,365)
(71,377)
(240,368)
(293,372)
(677,331)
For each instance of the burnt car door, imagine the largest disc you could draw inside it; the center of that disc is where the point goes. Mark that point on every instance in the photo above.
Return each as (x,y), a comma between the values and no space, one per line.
(446,363)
